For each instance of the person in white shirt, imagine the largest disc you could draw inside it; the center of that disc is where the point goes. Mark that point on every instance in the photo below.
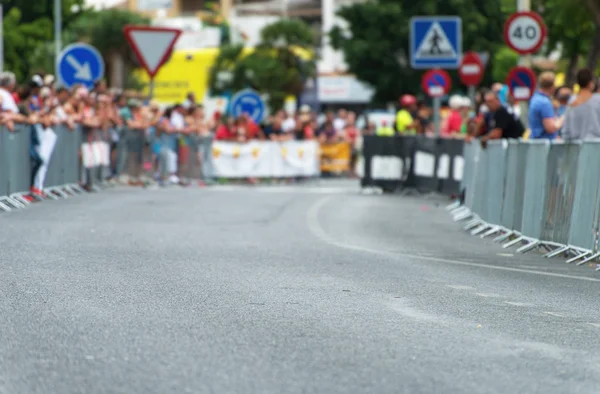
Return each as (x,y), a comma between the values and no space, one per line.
(289,124)
(339,124)
(8,81)
(177,121)
(178,118)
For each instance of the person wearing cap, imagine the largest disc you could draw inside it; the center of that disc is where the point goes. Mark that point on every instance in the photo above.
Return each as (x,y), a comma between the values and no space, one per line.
(35,85)
(466,114)
(405,123)
(454,121)
(49,80)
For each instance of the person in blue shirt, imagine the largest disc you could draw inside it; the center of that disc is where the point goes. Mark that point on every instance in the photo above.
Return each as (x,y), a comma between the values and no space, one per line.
(543,121)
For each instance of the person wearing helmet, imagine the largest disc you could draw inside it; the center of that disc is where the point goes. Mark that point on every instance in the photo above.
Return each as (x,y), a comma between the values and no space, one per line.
(405,122)
(454,121)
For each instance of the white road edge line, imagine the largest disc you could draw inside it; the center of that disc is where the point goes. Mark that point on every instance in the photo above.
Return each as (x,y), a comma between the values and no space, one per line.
(554,314)
(460,287)
(516,303)
(315,227)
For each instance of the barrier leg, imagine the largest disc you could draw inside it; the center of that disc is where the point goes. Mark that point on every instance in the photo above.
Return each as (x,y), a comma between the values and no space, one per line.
(526,248)
(480,229)
(588,259)
(556,252)
(77,188)
(491,231)
(18,198)
(503,237)
(513,242)
(577,257)
(3,206)
(459,210)
(463,215)
(472,224)
(15,203)
(453,206)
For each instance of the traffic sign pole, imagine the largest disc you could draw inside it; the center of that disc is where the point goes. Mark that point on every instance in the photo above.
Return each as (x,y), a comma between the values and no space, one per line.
(471,94)
(436,84)
(437,105)
(524,5)
(151,89)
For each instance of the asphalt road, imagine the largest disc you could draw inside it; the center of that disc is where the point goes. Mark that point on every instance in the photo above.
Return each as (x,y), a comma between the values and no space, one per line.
(282,290)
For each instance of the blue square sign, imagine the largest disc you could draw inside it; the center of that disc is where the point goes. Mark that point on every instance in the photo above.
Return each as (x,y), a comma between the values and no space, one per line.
(435,42)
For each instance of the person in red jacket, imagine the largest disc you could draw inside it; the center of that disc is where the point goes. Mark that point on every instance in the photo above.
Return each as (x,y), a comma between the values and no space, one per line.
(226,129)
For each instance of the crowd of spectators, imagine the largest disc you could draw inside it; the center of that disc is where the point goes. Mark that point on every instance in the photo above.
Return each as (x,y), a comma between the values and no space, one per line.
(122,119)
(282,126)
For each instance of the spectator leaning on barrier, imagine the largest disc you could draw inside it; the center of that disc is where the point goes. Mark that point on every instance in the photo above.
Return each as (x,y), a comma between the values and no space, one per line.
(582,118)
(503,124)
(454,121)
(405,122)
(466,114)
(8,82)
(543,121)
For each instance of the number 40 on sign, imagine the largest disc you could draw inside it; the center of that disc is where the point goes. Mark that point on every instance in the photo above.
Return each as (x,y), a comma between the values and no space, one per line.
(524,32)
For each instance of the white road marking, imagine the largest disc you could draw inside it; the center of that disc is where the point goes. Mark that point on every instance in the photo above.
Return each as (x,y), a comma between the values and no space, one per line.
(315,227)
(505,254)
(286,189)
(486,295)
(458,287)
(554,314)
(594,325)
(516,303)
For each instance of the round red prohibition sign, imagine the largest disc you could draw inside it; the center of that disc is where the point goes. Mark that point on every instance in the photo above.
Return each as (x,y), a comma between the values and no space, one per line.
(471,69)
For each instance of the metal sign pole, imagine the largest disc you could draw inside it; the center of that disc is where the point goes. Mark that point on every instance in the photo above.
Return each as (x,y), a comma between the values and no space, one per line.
(57,31)
(1,38)
(524,5)
(471,93)
(437,103)
(151,89)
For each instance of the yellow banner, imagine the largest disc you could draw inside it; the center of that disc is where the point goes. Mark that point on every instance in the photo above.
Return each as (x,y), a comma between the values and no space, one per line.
(335,157)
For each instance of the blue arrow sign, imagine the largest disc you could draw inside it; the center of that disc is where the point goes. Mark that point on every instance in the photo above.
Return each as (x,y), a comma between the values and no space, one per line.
(80,64)
(435,42)
(248,101)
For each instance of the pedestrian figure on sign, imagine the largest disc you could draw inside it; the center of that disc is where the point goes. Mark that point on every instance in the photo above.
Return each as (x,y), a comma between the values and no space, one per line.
(435,43)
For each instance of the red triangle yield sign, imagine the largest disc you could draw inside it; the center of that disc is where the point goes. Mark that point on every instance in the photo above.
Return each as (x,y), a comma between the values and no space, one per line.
(151,45)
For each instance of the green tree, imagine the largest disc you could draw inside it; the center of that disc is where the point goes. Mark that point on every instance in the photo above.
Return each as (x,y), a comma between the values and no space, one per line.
(104,30)
(272,68)
(28,27)
(376,45)
(504,59)
(570,28)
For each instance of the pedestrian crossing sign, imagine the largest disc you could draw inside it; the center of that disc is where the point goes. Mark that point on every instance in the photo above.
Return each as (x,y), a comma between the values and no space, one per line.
(435,42)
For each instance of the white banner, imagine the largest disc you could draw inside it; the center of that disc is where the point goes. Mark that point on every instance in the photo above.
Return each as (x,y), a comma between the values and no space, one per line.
(263,159)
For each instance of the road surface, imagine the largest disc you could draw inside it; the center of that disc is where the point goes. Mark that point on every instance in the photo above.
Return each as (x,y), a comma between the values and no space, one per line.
(294,289)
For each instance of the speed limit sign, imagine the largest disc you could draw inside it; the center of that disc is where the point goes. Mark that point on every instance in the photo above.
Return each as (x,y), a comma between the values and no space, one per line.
(524,32)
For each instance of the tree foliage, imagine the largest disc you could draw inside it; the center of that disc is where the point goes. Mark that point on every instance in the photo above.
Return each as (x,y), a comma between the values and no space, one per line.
(27,27)
(376,45)
(104,30)
(272,68)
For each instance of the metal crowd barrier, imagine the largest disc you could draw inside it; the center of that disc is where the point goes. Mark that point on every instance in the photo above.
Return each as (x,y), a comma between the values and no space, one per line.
(413,163)
(534,194)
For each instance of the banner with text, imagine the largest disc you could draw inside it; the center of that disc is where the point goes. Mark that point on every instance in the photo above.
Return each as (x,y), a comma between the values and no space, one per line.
(264,159)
